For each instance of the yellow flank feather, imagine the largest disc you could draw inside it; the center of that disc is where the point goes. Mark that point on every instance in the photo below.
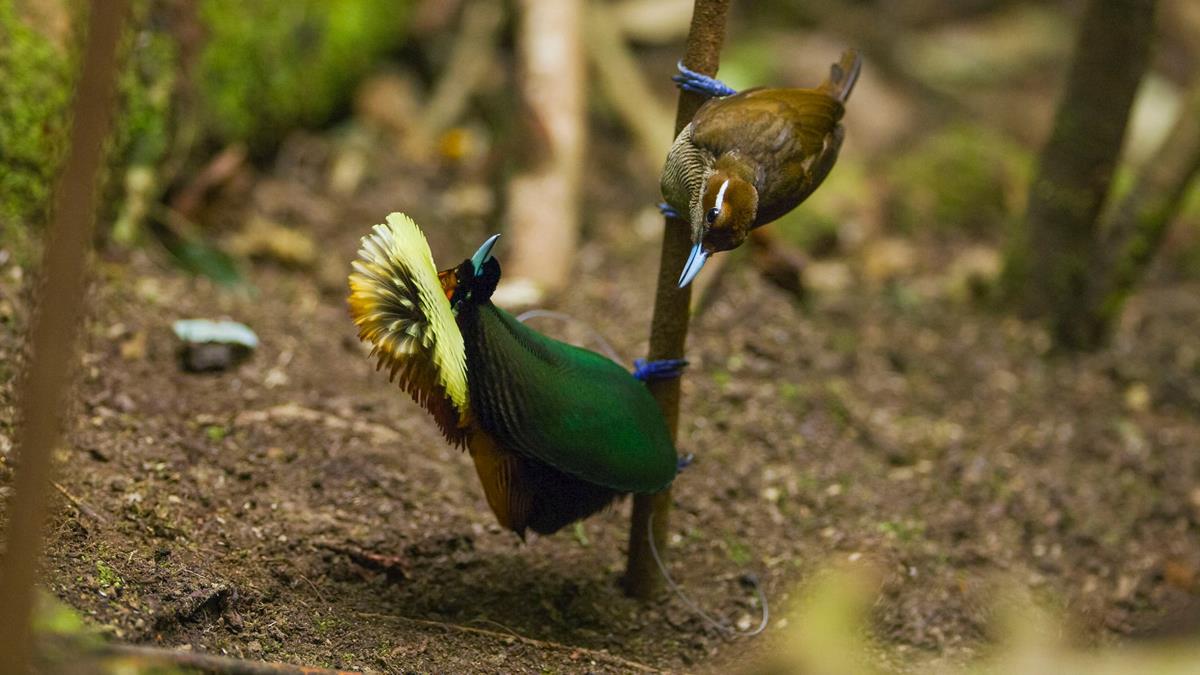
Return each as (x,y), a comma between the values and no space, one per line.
(399,307)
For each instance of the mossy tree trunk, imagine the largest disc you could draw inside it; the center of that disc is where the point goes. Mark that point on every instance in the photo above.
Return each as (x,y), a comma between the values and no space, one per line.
(1049,265)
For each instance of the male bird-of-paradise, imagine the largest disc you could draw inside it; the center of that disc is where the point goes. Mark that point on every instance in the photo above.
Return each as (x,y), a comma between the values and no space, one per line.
(556,432)
(748,158)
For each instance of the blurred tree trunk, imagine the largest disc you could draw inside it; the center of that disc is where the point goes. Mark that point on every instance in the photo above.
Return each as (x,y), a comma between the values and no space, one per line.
(543,200)
(1048,267)
(1139,225)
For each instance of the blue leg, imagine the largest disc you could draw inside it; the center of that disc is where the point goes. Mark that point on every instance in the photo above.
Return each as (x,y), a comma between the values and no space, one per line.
(658,370)
(684,462)
(669,211)
(697,83)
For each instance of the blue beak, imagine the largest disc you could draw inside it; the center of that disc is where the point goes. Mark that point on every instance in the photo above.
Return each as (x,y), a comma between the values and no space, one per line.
(481,256)
(695,261)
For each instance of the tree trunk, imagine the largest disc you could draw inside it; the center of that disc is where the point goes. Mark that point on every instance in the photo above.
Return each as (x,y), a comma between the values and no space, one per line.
(543,209)
(1048,266)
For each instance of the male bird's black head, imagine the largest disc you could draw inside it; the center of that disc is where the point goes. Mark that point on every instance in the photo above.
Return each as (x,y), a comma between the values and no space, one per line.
(475,279)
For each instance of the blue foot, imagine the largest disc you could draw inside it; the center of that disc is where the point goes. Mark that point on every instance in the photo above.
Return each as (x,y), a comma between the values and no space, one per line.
(697,83)
(668,211)
(658,370)
(684,462)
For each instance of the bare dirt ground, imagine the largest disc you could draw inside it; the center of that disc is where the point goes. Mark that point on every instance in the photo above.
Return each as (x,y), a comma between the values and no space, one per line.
(299,508)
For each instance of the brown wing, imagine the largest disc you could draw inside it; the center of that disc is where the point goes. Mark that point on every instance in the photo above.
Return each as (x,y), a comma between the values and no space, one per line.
(788,135)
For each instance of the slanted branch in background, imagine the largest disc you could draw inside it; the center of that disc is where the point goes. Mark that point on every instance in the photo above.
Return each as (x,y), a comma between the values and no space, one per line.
(472,57)
(1139,225)
(543,198)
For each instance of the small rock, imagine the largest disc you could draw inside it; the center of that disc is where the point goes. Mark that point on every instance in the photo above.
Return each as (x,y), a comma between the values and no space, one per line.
(208,357)
(213,345)
(1180,574)
(124,403)
(886,259)
(133,348)
(826,276)
(1137,397)
(974,272)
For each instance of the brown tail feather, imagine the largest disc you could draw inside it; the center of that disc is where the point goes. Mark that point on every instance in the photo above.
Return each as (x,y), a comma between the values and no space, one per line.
(525,493)
(843,75)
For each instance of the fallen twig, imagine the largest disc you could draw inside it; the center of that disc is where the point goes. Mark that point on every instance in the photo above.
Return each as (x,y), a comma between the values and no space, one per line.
(79,505)
(144,657)
(395,567)
(509,634)
(290,412)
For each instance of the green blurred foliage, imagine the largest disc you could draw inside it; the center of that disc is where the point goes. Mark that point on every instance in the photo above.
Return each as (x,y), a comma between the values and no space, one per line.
(266,67)
(142,136)
(35,82)
(962,178)
(828,631)
(274,65)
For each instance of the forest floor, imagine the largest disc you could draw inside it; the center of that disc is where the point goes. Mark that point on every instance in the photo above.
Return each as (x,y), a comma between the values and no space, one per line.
(299,508)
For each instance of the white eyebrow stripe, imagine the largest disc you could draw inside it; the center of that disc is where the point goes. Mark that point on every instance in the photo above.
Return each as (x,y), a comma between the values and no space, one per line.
(721,194)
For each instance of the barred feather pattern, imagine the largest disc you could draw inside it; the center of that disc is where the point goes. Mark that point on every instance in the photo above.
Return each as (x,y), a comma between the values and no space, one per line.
(683,177)
(399,306)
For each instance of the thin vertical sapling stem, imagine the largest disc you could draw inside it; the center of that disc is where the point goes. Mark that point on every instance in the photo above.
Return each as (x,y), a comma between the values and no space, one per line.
(53,335)
(668,329)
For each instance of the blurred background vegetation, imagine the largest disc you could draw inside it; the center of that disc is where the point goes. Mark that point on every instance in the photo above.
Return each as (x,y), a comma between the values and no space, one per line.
(958,100)
(212,166)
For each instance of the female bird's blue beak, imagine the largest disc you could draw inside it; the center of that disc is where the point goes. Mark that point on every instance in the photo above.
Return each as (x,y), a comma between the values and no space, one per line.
(695,261)
(481,256)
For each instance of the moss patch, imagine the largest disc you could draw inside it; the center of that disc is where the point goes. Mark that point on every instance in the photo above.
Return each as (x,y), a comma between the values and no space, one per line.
(35,81)
(271,66)
(963,178)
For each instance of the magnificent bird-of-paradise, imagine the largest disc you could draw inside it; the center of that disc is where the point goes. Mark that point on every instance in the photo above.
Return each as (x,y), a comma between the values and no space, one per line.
(748,158)
(556,431)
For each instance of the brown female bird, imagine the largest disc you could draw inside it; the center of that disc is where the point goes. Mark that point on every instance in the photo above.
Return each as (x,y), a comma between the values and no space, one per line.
(748,158)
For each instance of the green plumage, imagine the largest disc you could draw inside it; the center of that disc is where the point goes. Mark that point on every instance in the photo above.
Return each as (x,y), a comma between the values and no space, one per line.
(570,408)
(556,432)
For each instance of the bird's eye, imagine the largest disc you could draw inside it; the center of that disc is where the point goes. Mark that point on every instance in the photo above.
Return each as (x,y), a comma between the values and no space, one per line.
(712,214)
